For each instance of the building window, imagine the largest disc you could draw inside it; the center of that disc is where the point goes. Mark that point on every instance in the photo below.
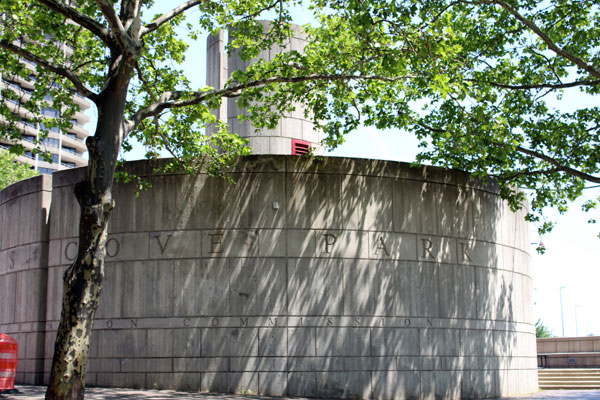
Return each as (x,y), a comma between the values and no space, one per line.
(51,142)
(72,151)
(27,122)
(50,112)
(54,129)
(300,147)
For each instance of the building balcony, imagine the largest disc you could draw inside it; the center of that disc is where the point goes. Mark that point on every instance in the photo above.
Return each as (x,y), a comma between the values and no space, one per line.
(81,118)
(25,83)
(79,130)
(81,101)
(18,109)
(77,144)
(77,158)
(11,85)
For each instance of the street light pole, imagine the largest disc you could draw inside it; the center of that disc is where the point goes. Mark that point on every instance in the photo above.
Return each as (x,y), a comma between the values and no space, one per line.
(562,319)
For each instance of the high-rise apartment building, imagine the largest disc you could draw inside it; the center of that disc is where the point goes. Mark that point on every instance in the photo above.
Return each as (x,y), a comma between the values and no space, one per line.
(67,149)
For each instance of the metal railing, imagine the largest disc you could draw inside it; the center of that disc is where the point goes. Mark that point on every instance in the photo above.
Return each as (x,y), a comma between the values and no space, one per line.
(72,151)
(13,85)
(73,138)
(30,124)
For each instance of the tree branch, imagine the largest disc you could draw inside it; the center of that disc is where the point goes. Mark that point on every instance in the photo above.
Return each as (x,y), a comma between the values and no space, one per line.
(145,83)
(169,100)
(505,177)
(118,30)
(556,163)
(545,38)
(83,20)
(154,25)
(52,67)
(130,11)
(559,166)
(538,86)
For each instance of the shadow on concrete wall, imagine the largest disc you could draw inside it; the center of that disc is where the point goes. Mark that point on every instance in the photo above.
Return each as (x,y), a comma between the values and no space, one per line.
(332,278)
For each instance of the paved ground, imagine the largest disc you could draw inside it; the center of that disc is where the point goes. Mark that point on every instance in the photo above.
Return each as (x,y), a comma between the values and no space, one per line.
(37,393)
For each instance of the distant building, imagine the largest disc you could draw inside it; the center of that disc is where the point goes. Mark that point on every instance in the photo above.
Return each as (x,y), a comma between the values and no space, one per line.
(67,149)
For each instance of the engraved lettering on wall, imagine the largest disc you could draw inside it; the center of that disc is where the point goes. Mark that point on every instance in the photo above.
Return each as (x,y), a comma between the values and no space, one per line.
(216,243)
(427,249)
(112,247)
(162,239)
(464,255)
(328,242)
(381,247)
(71,251)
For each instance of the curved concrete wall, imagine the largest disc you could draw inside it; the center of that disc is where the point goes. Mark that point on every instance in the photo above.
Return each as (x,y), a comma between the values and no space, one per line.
(327,277)
(24,209)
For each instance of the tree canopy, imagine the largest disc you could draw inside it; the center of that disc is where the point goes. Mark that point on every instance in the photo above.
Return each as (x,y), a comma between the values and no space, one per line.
(12,171)
(471,78)
(503,89)
(541,330)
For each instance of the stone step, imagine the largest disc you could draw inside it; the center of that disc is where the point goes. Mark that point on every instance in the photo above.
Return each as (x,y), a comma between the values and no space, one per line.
(548,370)
(582,381)
(572,386)
(597,376)
(569,378)
(569,372)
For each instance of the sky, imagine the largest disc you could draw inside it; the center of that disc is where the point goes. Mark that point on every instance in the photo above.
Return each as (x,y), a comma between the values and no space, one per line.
(572,258)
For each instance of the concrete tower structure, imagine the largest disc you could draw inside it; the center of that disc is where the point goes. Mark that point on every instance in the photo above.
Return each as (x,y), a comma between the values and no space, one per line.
(67,149)
(295,134)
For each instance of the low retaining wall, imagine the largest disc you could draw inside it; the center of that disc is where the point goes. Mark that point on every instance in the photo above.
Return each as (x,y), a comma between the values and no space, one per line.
(570,352)
(323,277)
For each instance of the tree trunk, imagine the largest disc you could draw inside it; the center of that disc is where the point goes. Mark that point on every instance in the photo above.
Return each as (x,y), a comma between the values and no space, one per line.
(83,279)
(82,288)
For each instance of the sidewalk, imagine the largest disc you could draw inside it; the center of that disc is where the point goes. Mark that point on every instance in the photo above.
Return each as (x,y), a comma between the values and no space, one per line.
(37,393)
